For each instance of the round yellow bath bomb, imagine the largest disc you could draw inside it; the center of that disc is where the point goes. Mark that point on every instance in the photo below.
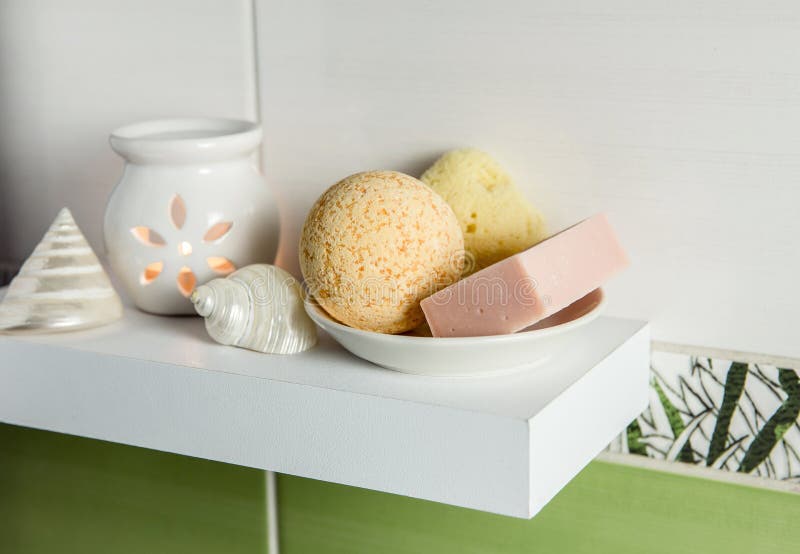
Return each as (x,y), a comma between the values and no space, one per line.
(374,245)
(496,219)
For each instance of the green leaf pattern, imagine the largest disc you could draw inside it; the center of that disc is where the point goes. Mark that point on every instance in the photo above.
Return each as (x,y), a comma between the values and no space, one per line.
(722,414)
(734,385)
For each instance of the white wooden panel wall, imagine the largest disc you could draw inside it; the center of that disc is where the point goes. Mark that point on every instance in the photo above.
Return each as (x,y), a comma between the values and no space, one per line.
(681,119)
(70,72)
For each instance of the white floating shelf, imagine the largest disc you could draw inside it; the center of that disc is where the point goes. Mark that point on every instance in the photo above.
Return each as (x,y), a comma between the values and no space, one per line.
(503,444)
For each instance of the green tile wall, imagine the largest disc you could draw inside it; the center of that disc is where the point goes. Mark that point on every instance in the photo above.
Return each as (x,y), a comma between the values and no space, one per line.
(608,508)
(72,495)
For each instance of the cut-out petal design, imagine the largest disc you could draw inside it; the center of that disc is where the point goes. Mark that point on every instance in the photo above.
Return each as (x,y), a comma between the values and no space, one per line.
(148,237)
(151,271)
(217,231)
(186,281)
(221,265)
(177,211)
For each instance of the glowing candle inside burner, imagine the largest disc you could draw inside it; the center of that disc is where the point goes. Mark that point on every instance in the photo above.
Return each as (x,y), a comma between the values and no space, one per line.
(184,248)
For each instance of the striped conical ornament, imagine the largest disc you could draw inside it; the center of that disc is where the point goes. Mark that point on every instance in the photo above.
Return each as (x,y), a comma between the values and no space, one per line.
(61,286)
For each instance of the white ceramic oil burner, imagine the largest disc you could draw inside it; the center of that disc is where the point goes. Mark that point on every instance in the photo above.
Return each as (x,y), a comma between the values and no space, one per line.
(190,206)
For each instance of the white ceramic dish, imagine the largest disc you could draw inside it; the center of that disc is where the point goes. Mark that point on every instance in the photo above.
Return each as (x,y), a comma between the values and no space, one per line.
(464,356)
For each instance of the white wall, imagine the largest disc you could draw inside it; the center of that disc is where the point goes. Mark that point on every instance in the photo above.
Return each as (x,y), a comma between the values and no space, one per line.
(680,119)
(71,72)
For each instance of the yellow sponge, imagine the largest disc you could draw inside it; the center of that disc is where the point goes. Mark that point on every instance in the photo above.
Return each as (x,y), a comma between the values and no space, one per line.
(497,221)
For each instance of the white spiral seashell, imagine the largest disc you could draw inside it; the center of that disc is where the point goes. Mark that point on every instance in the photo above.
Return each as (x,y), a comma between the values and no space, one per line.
(61,286)
(259,307)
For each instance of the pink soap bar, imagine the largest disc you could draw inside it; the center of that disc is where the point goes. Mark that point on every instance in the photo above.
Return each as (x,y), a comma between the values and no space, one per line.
(527,287)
